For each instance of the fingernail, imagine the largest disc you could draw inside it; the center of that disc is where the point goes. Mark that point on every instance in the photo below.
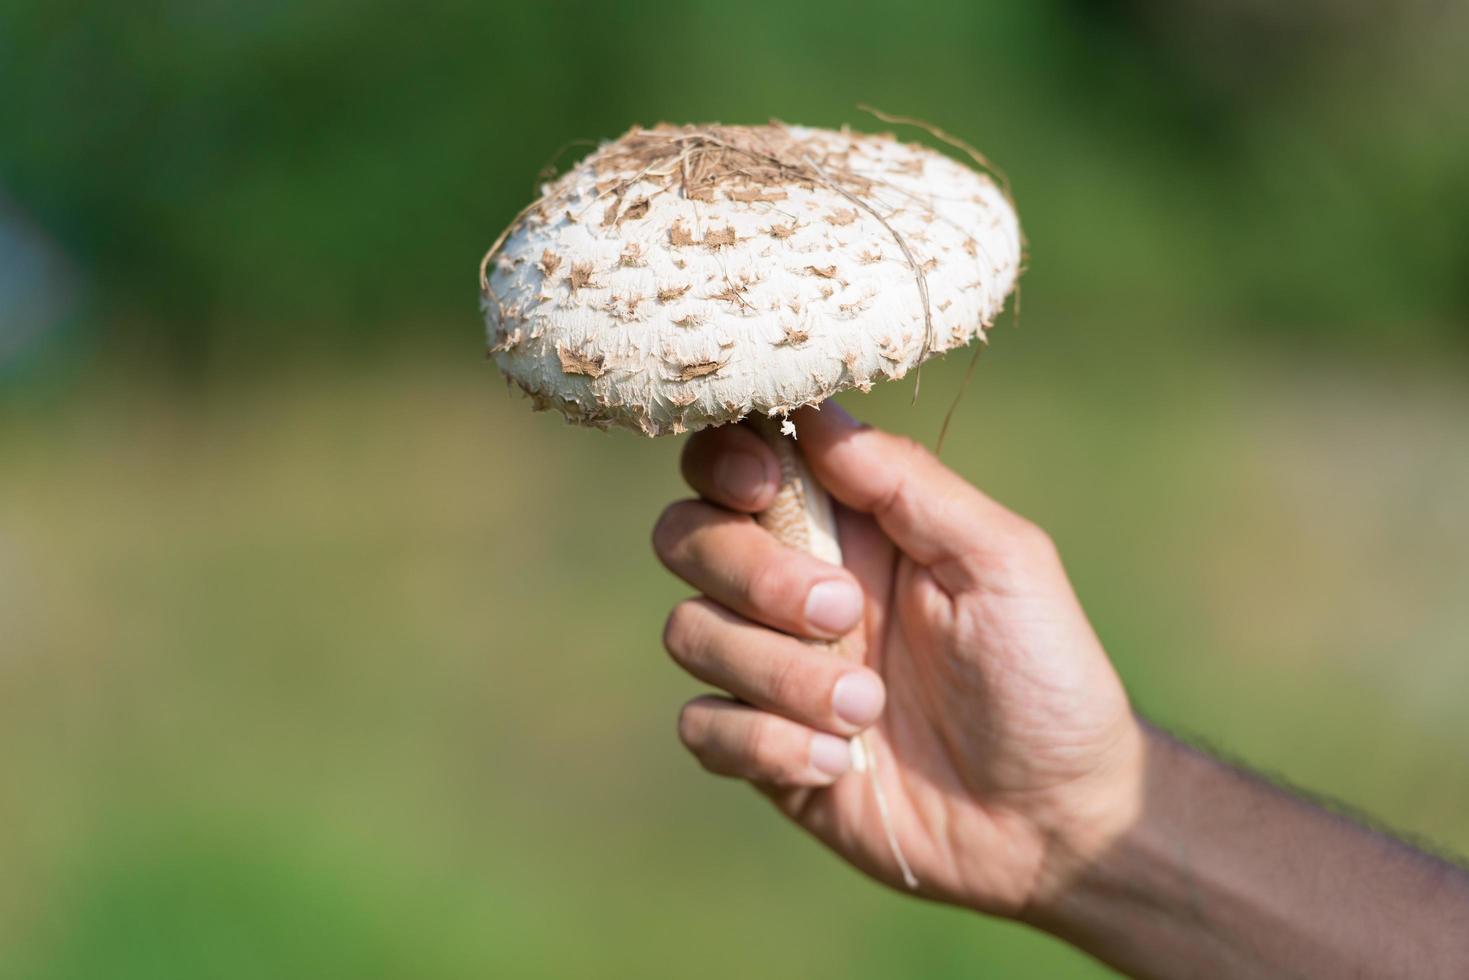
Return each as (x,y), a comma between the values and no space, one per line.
(834,607)
(830,754)
(740,475)
(857,699)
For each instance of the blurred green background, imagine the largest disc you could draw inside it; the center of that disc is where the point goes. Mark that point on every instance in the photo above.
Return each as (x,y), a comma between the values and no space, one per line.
(321,656)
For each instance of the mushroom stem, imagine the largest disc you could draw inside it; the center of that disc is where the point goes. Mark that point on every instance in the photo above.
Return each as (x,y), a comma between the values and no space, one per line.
(801,517)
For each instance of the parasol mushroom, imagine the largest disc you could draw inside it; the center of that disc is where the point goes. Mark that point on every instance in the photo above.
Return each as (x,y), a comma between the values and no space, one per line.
(687,276)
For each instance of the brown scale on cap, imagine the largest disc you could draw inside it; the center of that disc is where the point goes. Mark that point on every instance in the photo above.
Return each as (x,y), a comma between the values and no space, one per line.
(581,276)
(577,362)
(624,308)
(720,237)
(699,369)
(750,195)
(734,292)
(794,336)
(635,211)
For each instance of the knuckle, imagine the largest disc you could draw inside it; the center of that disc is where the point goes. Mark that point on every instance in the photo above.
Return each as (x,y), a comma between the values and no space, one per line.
(759,742)
(693,461)
(680,631)
(672,527)
(692,725)
(769,752)
(785,684)
(911,450)
(1029,552)
(770,585)
(913,455)
(910,455)
(694,446)
(1034,540)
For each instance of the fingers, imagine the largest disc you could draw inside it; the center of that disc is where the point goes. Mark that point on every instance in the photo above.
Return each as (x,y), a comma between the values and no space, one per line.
(730,559)
(929,511)
(731,466)
(772,671)
(731,739)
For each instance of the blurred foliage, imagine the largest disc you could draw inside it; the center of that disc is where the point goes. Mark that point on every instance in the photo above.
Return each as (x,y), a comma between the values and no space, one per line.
(335,662)
(233,176)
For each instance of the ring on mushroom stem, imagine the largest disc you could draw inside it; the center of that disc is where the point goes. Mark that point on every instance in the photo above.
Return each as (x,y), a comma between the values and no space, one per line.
(686,276)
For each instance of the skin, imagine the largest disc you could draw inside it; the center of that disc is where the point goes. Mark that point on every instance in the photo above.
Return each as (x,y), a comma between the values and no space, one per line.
(1021,782)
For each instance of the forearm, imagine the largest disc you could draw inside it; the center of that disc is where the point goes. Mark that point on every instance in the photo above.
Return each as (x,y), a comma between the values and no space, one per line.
(1224,875)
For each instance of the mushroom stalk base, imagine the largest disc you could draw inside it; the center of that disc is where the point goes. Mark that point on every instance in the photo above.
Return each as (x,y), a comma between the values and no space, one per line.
(801,517)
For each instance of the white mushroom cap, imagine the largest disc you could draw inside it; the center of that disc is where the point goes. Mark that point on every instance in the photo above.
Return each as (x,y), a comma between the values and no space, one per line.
(681,277)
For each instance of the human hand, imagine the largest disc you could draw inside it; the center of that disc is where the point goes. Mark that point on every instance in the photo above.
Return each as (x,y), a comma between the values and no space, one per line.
(1005,743)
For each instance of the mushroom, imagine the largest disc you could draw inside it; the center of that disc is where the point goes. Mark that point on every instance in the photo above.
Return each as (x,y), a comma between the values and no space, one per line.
(773,266)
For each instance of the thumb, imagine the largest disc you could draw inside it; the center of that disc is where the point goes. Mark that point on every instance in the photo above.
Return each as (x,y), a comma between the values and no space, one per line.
(931,513)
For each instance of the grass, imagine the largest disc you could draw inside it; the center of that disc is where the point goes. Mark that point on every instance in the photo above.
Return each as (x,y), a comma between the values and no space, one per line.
(353,669)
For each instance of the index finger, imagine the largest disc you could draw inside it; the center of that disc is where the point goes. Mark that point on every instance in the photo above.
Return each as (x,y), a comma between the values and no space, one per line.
(929,511)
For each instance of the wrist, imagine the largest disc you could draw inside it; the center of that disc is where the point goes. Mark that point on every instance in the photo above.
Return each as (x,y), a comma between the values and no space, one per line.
(1086,832)
(1128,894)
(1216,873)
